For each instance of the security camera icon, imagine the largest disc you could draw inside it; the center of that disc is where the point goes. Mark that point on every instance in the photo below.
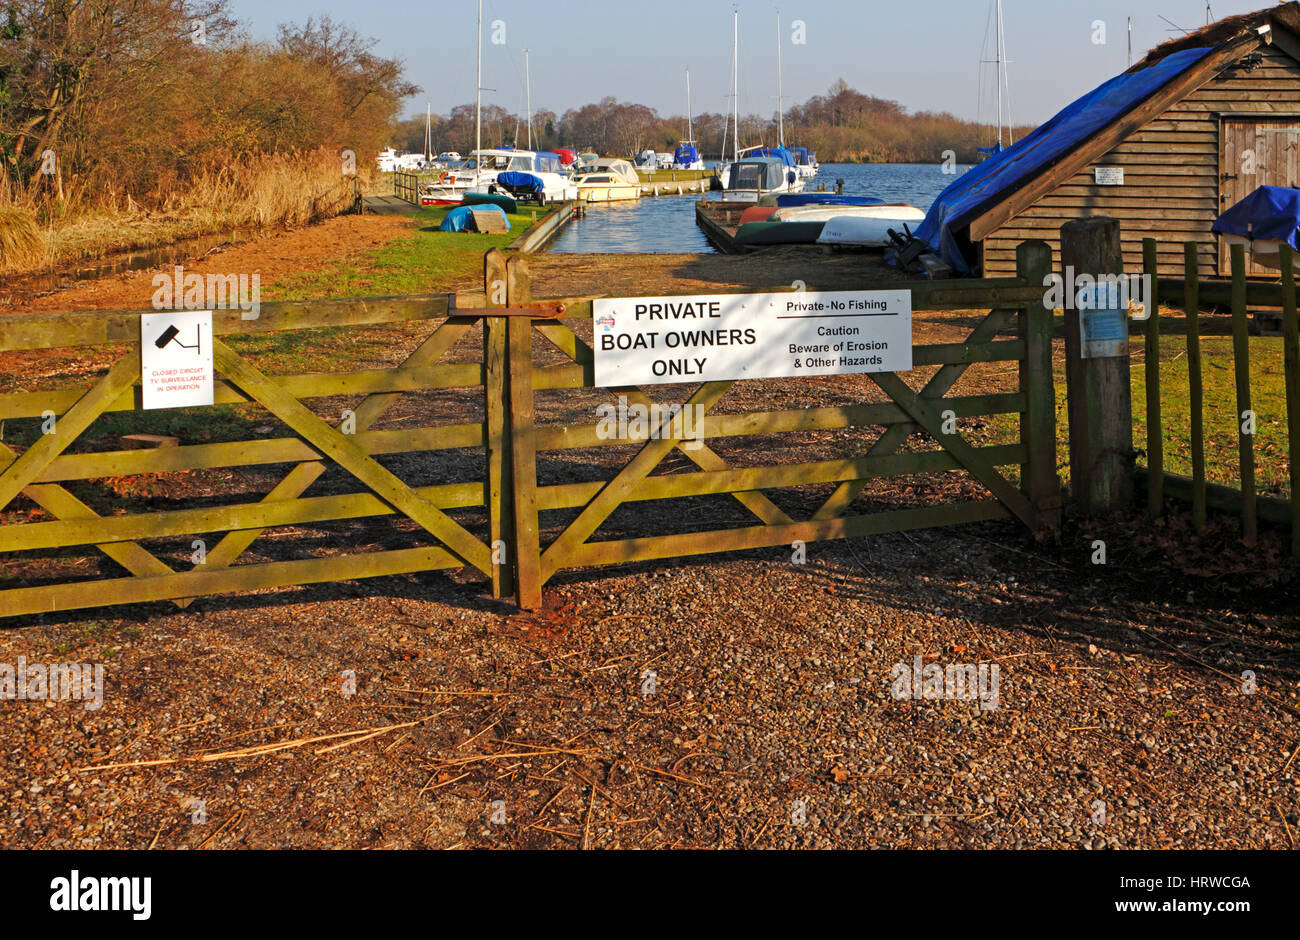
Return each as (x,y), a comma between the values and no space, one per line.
(171,334)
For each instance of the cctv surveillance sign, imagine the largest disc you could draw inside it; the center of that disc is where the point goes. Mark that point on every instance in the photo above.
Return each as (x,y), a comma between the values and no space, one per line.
(176,359)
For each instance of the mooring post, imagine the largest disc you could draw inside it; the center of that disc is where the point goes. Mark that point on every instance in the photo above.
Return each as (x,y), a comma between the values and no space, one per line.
(523,445)
(496,431)
(1097,366)
(1038,478)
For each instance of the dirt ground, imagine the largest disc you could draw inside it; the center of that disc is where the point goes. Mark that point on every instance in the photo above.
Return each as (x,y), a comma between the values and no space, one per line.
(745,700)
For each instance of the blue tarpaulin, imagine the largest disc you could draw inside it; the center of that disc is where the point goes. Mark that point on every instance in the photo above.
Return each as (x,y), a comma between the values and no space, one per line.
(686,155)
(780,153)
(461,219)
(1270,212)
(520,182)
(979,189)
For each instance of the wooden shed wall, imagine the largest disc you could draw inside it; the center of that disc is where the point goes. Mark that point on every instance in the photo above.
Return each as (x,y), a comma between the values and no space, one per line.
(1171,174)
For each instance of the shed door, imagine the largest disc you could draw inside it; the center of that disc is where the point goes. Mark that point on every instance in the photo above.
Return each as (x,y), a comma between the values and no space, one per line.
(1254,154)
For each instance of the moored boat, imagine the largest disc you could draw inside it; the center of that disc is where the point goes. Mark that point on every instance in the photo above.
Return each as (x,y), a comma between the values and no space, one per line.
(748,179)
(608,181)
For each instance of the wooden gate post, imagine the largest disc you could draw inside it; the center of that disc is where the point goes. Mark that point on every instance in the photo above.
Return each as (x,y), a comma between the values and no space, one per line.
(526,550)
(1097,377)
(496,429)
(1038,478)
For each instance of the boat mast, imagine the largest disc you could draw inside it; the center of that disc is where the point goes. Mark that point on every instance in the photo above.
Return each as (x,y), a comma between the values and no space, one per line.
(690,127)
(999,73)
(780,104)
(528,95)
(428,130)
(478,96)
(735,84)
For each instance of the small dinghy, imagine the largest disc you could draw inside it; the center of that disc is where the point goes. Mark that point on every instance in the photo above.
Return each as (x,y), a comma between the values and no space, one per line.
(492,199)
(757,214)
(753,234)
(855,231)
(1264,221)
(897,214)
(821,199)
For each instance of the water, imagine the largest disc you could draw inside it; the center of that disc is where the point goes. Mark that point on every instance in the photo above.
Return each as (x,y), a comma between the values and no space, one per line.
(666,224)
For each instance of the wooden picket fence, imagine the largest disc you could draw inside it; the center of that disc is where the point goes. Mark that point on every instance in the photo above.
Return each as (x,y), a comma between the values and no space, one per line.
(515,543)
(1190,293)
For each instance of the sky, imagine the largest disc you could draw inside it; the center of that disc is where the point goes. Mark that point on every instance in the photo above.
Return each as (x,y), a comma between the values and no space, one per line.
(925,54)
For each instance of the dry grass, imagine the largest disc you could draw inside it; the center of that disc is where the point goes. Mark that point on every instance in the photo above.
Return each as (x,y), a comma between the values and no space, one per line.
(22,245)
(266,192)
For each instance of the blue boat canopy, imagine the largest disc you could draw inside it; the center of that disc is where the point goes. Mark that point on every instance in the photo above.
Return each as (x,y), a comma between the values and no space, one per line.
(686,154)
(802,157)
(520,182)
(826,199)
(781,153)
(947,225)
(1270,212)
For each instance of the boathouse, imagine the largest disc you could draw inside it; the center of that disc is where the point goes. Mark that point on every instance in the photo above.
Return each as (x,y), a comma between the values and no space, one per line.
(1164,148)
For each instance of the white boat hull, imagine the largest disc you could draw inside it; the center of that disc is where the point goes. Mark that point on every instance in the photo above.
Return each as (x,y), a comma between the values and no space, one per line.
(1265,251)
(856,232)
(896,215)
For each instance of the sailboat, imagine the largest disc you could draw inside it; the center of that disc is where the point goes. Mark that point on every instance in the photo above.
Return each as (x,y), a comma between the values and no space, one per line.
(1001,79)
(805,161)
(687,155)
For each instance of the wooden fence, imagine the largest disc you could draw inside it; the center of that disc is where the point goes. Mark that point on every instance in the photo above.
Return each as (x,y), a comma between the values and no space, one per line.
(407,186)
(1191,293)
(513,544)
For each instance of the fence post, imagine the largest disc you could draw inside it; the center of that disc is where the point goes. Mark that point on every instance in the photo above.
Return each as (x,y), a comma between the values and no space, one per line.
(1038,478)
(523,444)
(1097,371)
(496,429)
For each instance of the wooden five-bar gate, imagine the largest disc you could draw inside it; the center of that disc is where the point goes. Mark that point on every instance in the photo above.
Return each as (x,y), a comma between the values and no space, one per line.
(511,534)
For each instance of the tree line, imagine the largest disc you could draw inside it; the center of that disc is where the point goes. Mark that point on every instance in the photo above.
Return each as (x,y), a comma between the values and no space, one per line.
(138,98)
(841,126)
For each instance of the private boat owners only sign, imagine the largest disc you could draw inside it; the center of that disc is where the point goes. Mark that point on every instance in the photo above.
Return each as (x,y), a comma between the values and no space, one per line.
(709,338)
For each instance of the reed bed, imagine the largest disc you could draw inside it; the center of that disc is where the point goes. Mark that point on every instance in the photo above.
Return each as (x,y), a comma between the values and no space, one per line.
(261,193)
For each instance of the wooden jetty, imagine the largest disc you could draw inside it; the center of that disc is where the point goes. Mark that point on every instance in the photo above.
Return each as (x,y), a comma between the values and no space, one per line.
(719,220)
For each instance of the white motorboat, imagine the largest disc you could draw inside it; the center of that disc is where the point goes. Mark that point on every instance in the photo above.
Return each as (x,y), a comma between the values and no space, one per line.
(749,179)
(608,181)
(481,171)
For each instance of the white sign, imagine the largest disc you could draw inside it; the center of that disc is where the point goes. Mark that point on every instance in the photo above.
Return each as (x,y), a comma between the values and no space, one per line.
(176,359)
(710,338)
(1109,175)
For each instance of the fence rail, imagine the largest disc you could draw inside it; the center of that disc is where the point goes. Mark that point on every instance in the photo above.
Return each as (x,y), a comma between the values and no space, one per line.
(1238,293)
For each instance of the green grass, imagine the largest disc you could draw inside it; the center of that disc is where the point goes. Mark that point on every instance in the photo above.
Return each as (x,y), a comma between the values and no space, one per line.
(1268,401)
(428,261)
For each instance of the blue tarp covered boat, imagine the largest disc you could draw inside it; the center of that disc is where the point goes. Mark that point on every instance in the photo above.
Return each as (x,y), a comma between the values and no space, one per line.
(521,182)
(686,155)
(461,219)
(1270,213)
(1263,221)
(946,228)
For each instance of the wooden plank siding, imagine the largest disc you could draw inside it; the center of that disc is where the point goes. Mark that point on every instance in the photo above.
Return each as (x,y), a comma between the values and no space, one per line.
(1171,188)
